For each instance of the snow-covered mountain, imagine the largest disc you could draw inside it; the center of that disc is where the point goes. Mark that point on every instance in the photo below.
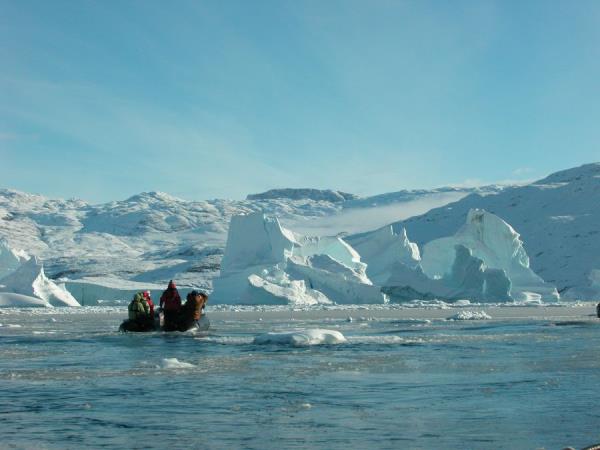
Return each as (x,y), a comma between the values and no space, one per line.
(153,237)
(303,194)
(558,219)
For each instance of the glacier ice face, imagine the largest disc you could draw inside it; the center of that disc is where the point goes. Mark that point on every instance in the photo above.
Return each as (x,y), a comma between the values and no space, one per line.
(382,249)
(498,245)
(337,281)
(11,300)
(256,240)
(256,244)
(30,280)
(333,246)
(110,291)
(265,263)
(395,263)
(468,278)
(281,291)
(471,278)
(10,259)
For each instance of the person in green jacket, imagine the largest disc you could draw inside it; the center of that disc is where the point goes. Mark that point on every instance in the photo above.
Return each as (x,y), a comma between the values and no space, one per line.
(140,313)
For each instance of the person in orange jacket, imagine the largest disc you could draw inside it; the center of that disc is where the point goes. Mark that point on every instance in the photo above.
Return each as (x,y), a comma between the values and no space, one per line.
(192,310)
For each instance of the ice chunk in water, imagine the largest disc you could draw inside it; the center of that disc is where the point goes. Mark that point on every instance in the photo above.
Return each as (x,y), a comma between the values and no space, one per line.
(470,315)
(174,363)
(301,337)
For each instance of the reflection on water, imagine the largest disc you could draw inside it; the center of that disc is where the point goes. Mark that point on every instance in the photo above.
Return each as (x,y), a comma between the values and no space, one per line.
(72,380)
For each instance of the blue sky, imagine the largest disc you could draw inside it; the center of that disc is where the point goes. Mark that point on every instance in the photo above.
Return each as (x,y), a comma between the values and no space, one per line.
(201,99)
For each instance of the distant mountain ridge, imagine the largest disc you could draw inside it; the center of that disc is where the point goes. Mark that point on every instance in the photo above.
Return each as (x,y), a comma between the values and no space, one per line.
(326,195)
(153,236)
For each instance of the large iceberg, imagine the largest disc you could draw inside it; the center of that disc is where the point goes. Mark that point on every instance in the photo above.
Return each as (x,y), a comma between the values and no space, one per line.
(256,245)
(383,249)
(498,246)
(30,280)
(10,259)
(10,300)
(256,240)
(265,263)
(485,261)
(336,280)
(280,290)
(468,278)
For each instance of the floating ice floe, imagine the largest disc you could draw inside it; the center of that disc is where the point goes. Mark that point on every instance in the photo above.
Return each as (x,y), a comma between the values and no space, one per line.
(174,363)
(301,337)
(470,315)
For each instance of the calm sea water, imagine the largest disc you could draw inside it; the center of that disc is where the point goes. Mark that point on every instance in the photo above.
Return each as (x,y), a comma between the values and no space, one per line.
(73,381)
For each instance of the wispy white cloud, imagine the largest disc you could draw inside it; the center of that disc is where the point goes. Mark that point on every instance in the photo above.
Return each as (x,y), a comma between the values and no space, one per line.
(522,171)
(356,220)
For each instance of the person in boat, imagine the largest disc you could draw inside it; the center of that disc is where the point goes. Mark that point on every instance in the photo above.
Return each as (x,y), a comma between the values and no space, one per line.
(150,303)
(139,313)
(170,303)
(193,310)
(598,310)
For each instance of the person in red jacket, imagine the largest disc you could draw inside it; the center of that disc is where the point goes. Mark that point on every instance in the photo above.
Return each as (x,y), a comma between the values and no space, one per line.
(149,300)
(170,302)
